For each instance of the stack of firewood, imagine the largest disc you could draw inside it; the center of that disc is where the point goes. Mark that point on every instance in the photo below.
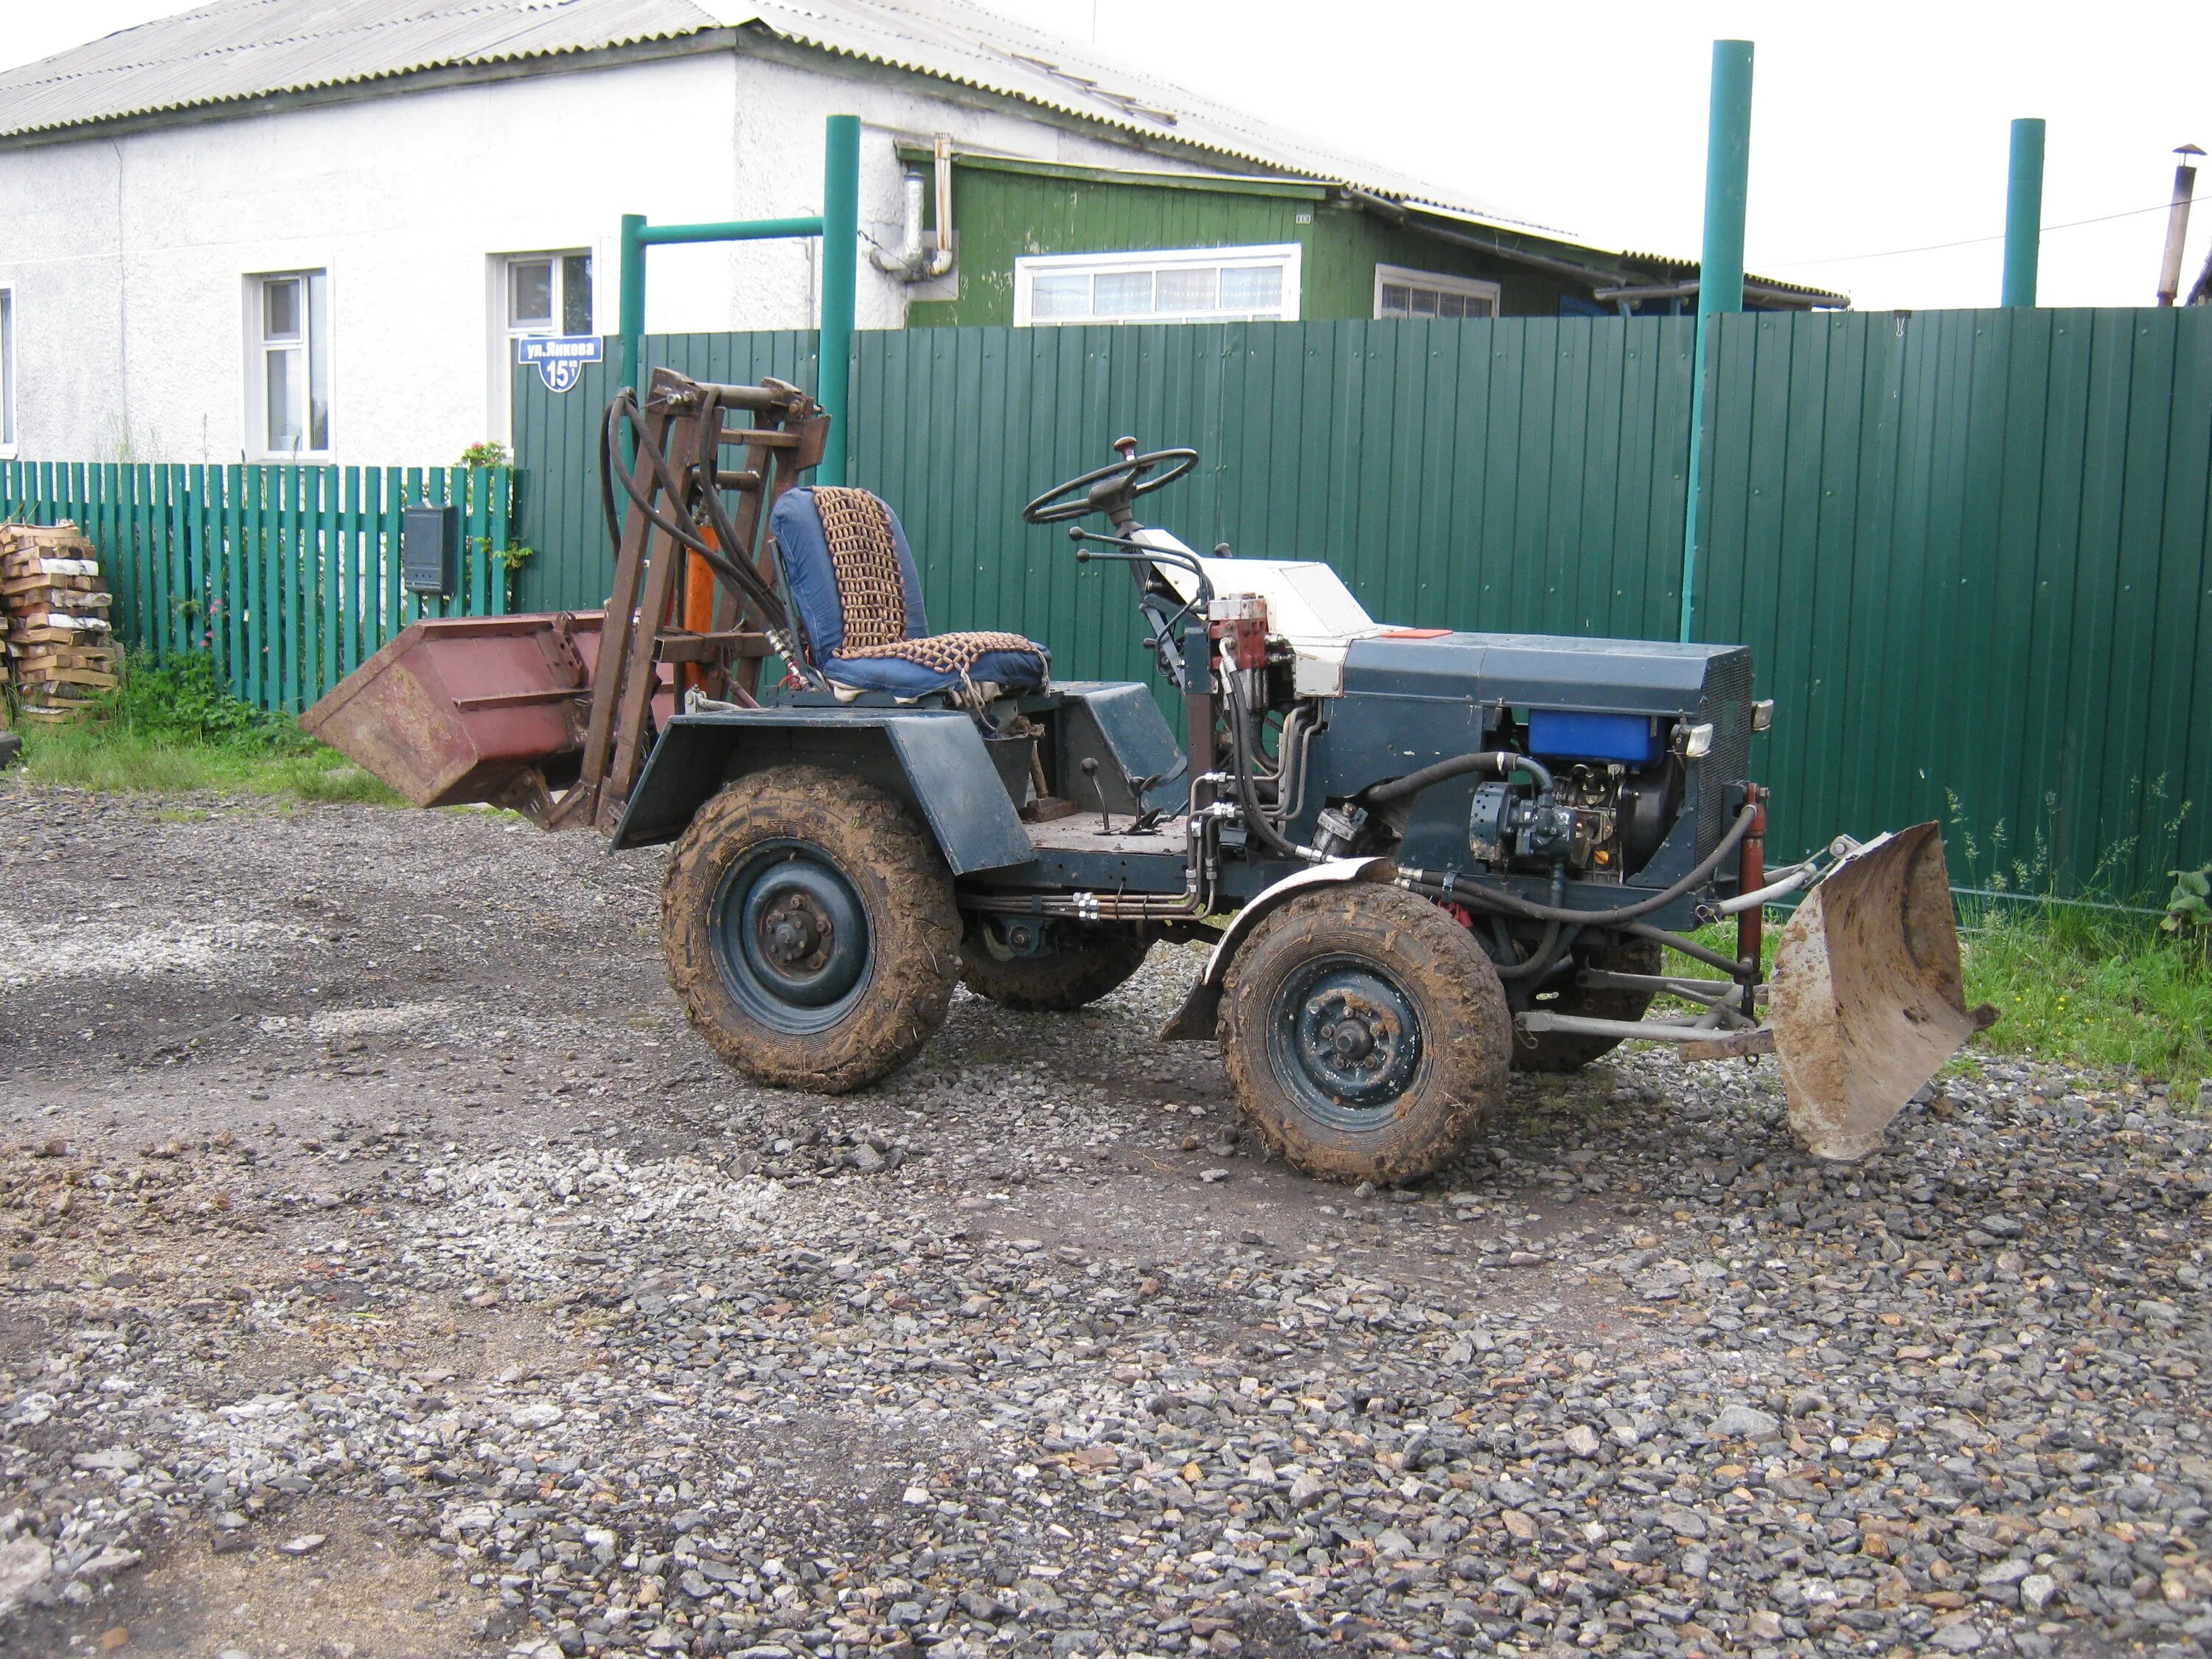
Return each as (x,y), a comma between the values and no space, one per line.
(59,643)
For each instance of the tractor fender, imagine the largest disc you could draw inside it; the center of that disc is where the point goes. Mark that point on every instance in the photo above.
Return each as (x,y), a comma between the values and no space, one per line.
(1195,1020)
(933,759)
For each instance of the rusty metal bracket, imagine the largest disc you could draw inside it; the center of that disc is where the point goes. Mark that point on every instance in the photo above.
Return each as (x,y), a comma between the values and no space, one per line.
(670,604)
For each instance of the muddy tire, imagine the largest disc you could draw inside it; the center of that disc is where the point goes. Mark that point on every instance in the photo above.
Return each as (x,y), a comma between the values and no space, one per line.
(1365,1034)
(810,930)
(1569,1051)
(1094,959)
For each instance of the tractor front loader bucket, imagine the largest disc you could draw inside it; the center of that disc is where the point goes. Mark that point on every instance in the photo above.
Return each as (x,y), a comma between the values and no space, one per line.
(1867,1002)
(470,708)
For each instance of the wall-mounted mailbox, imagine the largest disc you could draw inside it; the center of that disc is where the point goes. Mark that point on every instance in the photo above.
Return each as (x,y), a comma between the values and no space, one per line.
(430,550)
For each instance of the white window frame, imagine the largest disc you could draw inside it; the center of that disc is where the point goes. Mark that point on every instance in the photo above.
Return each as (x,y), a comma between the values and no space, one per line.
(1029,267)
(8,444)
(317,333)
(1435,281)
(504,331)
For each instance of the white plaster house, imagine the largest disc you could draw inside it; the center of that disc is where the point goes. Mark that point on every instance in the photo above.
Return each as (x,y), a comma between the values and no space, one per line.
(268,229)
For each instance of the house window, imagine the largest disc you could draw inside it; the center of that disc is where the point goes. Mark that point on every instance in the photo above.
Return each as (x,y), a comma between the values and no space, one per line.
(537,294)
(289,379)
(7,372)
(1189,285)
(1402,293)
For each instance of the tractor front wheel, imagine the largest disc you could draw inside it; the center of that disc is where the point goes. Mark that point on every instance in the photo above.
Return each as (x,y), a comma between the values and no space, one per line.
(1081,962)
(1365,1034)
(810,930)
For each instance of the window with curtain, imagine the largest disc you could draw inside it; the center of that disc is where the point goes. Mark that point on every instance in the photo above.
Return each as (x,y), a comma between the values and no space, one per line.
(1400,292)
(1184,285)
(289,379)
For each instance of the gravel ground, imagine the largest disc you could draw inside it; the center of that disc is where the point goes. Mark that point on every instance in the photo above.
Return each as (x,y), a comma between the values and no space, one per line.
(388,1271)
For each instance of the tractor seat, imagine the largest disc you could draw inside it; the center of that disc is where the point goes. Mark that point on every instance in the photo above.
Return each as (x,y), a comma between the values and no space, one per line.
(858,595)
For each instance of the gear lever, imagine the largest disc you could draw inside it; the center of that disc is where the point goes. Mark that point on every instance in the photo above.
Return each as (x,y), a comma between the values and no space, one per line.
(1091,771)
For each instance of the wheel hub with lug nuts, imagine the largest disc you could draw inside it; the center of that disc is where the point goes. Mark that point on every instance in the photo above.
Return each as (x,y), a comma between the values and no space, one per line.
(1348,1037)
(797,934)
(791,936)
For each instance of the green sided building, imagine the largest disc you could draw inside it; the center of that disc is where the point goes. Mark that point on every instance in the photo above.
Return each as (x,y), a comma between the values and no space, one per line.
(1039,243)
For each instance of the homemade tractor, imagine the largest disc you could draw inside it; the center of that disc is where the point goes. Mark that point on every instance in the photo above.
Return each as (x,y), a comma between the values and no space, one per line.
(1421,857)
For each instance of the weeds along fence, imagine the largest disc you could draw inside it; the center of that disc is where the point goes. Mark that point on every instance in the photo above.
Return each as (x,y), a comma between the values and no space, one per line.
(1968,548)
(289,575)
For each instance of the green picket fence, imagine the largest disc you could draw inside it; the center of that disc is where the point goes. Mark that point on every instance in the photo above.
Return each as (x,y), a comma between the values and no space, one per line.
(289,575)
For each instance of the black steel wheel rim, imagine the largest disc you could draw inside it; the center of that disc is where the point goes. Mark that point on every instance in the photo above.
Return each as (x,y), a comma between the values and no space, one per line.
(1345,1040)
(791,937)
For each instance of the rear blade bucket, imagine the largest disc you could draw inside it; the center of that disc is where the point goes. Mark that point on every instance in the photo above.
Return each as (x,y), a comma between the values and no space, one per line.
(1866,1002)
(465,708)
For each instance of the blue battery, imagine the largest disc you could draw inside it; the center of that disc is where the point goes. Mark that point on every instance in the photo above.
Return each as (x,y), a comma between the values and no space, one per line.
(1569,734)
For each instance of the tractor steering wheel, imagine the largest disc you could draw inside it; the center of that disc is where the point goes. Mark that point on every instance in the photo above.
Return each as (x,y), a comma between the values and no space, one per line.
(1110,489)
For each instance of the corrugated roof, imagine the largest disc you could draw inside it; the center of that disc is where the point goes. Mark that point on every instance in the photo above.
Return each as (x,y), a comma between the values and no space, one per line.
(235,49)
(1672,267)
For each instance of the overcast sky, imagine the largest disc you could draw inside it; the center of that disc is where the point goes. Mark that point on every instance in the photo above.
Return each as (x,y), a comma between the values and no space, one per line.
(1876,127)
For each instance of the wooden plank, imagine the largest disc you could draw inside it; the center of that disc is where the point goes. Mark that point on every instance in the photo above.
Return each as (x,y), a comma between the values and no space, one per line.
(353,611)
(412,607)
(479,483)
(298,608)
(388,502)
(236,598)
(330,580)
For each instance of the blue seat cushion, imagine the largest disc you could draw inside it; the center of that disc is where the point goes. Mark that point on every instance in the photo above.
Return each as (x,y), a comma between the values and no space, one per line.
(853,583)
(886,596)
(940,662)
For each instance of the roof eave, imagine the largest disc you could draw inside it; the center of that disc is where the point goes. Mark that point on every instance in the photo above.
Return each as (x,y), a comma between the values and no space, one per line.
(360,89)
(756,38)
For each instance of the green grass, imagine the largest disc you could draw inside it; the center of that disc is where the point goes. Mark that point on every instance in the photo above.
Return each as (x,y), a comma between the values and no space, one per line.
(2093,987)
(2074,985)
(174,730)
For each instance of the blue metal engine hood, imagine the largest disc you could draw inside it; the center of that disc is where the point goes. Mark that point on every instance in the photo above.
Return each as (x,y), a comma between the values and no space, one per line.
(1539,671)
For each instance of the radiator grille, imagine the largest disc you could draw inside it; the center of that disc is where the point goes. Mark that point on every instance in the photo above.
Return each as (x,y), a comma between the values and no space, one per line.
(1727,705)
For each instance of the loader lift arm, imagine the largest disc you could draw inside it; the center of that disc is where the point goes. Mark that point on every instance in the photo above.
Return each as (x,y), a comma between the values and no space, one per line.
(554,714)
(683,558)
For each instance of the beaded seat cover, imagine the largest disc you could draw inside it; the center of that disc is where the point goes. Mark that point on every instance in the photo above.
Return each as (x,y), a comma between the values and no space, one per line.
(858,527)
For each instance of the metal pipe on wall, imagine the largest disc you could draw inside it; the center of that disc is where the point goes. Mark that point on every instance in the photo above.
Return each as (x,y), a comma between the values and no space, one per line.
(1719,269)
(839,227)
(841,243)
(2177,224)
(2023,233)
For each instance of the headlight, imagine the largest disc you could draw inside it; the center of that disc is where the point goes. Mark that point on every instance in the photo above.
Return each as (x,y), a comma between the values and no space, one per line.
(1762,714)
(1694,742)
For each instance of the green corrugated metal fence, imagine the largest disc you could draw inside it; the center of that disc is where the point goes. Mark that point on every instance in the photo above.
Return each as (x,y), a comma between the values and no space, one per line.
(289,575)
(1369,445)
(1969,549)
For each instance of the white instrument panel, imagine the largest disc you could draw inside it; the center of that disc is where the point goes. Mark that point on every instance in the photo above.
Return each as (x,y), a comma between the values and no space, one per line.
(1309,607)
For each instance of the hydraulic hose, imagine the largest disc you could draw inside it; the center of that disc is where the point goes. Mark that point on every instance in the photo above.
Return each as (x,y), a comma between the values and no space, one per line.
(1514,905)
(1486,760)
(1547,955)
(1241,763)
(1688,947)
(739,575)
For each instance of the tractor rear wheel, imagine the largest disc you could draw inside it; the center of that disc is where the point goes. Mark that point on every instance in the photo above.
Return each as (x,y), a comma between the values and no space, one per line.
(1083,961)
(1365,1034)
(810,930)
(1570,1051)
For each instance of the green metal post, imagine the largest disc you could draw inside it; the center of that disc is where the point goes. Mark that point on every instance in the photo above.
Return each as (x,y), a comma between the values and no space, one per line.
(1719,269)
(632,320)
(2023,213)
(840,240)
